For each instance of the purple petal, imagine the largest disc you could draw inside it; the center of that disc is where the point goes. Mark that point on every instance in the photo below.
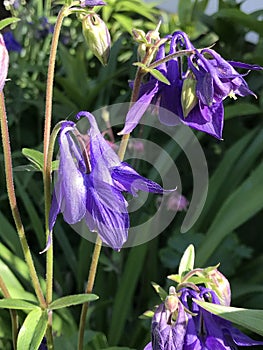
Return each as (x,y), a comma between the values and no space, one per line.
(70,191)
(4,61)
(127,179)
(207,119)
(107,213)
(148,346)
(245,65)
(91,3)
(11,43)
(139,107)
(239,338)
(100,149)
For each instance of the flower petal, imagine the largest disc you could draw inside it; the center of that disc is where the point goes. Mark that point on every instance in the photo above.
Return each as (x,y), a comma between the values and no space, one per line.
(137,110)
(127,179)
(106,213)
(4,61)
(207,119)
(70,191)
(245,65)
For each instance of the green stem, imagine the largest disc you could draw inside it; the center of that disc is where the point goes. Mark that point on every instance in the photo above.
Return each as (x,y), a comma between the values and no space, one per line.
(171,56)
(48,160)
(47,169)
(13,203)
(13,313)
(89,288)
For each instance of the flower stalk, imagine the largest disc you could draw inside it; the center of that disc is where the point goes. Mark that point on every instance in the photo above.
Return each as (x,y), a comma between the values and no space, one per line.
(89,288)
(13,203)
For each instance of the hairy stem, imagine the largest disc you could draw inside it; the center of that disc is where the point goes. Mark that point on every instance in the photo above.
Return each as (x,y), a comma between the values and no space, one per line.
(89,288)
(13,203)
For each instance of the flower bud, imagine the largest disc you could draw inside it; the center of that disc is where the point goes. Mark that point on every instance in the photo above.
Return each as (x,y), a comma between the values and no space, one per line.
(97,36)
(188,96)
(171,301)
(219,283)
(4,60)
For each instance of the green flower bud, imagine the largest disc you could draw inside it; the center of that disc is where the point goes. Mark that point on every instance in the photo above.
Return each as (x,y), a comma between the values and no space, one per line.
(219,283)
(188,96)
(97,36)
(171,301)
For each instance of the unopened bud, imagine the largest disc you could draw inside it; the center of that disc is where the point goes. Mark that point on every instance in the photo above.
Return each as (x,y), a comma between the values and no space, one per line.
(4,61)
(97,36)
(219,283)
(188,96)
(153,35)
(171,301)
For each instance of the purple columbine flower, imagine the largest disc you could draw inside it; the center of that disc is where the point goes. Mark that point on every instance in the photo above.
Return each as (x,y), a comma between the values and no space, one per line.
(11,43)
(195,94)
(91,3)
(90,182)
(169,325)
(4,61)
(206,331)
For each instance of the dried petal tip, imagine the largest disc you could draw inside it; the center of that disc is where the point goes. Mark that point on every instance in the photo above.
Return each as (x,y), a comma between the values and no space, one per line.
(91,3)
(97,36)
(4,60)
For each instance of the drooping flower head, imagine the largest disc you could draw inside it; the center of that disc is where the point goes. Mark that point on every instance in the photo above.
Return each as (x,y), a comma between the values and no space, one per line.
(196,91)
(168,324)
(180,323)
(90,182)
(4,61)
(206,331)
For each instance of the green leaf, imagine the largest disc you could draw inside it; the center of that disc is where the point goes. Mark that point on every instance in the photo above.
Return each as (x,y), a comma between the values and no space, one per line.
(187,260)
(175,278)
(250,319)
(241,109)
(146,315)
(33,330)
(124,297)
(158,75)
(17,304)
(72,300)
(7,21)
(35,157)
(185,8)
(159,290)
(37,160)
(231,215)
(241,18)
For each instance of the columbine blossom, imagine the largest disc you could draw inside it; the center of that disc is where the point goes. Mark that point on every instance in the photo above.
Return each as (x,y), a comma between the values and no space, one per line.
(90,182)
(189,327)
(167,334)
(4,61)
(195,94)
(206,331)
(11,43)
